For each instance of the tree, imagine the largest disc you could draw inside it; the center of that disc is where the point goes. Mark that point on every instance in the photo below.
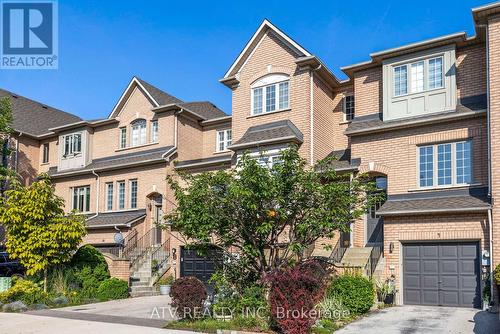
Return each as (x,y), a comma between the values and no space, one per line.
(5,133)
(39,233)
(270,215)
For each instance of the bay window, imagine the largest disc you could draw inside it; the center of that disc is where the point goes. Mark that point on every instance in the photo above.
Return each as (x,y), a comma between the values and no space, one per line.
(446,164)
(72,144)
(422,75)
(270,93)
(224,139)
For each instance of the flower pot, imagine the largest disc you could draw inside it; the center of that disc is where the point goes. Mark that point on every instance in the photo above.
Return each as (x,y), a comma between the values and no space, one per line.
(389,299)
(164,290)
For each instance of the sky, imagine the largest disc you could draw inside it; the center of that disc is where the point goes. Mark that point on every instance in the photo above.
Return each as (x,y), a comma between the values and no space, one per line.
(185,47)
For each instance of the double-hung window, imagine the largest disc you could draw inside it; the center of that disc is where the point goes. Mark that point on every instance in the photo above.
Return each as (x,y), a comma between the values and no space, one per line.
(138,132)
(81,198)
(133,194)
(446,164)
(348,107)
(123,137)
(45,158)
(271,93)
(121,195)
(72,144)
(224,139)
(418,76)
(154,131)
(109,196)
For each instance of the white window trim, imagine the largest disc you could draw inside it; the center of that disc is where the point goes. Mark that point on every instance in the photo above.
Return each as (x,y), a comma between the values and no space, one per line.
(72,190)
(139,135)
(269,80)
(408,65)
(118,183)
(344,107)
(45,145)
(108,184)
(454,183)
(153,132)
(136,193)
(226,141)
(72,153)
(122,130)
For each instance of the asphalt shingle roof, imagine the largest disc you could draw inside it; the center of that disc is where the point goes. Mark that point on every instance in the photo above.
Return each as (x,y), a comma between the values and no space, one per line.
(204,161)
(160,96)
(473,199)
(205,109)
(374,122)
(115,218)
(117,161)
(268,133)
(35,118)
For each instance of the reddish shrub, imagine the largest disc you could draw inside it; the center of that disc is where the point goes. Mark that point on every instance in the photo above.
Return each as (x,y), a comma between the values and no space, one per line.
(188,295)
(293,294)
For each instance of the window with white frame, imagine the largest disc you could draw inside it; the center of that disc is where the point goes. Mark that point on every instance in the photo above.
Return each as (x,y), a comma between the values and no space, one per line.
(45,158)
(123,137)
(445,164)
(154,131)
(269,160)
(109,196)
(72,144)
(348,107)
(81,198)
(121,195)
(270,93)
(422,75)
(138,132)
(224,139)
(133,194)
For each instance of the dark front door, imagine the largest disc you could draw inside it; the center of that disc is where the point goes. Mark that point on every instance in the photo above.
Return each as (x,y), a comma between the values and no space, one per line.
(374,226)
(444,274)
(201,267)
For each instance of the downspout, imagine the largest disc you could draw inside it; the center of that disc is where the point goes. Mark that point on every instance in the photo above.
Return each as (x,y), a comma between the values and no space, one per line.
(488,139)
(97,195)
(311,115)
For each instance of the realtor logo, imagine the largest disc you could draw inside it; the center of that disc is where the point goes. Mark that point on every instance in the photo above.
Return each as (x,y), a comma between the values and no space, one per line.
(29,35)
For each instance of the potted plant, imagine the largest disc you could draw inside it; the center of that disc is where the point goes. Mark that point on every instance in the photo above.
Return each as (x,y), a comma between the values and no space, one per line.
(386,291)
(165,284)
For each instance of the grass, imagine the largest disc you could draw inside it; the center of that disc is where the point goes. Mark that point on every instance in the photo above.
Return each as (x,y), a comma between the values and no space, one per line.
(211,325)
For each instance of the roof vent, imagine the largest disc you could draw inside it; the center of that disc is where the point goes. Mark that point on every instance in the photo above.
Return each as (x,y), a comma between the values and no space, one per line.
(44,107)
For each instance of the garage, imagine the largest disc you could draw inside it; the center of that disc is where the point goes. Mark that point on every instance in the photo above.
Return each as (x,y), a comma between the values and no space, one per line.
(201,267)
(443,274)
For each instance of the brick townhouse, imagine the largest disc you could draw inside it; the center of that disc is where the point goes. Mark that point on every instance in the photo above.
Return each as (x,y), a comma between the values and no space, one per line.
(419,119)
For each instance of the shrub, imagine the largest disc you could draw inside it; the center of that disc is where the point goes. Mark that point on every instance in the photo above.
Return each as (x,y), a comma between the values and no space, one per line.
(90,278)
(355,291)
(169,280)
(112,288)
(332,308)
(25,291)
(496,274)
(87,256)
(188,296)
(293,296)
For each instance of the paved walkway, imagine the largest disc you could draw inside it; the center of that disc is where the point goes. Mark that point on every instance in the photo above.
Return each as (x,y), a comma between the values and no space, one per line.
(141,311)
(23,323)
(425,319)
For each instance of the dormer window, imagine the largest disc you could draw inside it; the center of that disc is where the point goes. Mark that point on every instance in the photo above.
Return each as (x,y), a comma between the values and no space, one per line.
(138,132)
(270,93)
(72,144)
(423,75)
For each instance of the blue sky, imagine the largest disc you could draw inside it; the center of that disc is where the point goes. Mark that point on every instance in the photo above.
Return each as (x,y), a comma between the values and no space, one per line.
(185,47)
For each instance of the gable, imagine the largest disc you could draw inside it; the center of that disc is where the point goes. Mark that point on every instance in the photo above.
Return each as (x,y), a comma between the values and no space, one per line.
(266,29)
(137,105)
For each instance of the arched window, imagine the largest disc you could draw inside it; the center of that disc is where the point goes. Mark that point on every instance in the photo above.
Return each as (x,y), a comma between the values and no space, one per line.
(138,132)
(270,93)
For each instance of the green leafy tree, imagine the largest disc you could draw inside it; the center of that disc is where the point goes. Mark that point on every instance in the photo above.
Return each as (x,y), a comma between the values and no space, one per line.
(39,233)
(270,215)
(5,133)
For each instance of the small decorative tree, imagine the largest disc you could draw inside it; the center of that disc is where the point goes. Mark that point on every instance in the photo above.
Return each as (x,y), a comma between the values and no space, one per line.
(5,132)
(39,233)
(269,215)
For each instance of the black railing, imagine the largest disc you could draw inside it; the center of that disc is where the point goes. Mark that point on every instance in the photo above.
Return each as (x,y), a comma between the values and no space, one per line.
(338,251)
(140,245)
(130,242)
(159,258)
(375,255)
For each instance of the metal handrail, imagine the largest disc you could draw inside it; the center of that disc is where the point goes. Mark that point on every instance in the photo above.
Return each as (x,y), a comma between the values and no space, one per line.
(338,252)
(371,265)
(159,257)
(141,245)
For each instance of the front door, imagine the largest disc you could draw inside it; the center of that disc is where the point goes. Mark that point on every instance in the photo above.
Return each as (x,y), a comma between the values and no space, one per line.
(375,223)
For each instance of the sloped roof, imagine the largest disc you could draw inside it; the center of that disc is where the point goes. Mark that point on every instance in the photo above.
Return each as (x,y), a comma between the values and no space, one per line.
(205,109)
(116,162)
(111,219)
(159,95)
(461,200)
(35,118)
(279,131)
(218,160)
(469,106)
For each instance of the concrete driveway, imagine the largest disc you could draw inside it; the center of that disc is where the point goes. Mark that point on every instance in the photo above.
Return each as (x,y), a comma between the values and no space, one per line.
(425,319)
(151,311)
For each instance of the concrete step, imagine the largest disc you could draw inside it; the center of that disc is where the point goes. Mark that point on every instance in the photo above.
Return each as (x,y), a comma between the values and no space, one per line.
(142,288)
(356,256)
(144,294)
